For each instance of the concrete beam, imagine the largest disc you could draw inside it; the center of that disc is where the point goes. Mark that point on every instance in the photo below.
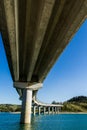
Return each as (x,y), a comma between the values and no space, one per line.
(17,34)
(31,11)
(9,36)
(30,29)
(24,25)
(39,34)
(58,7)
(31,86)
(66,27)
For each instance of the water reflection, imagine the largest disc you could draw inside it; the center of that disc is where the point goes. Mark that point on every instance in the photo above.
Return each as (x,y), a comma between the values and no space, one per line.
(25,127)
(33,126)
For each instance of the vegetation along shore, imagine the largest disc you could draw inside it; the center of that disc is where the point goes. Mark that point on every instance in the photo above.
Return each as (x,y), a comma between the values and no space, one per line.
(75,104)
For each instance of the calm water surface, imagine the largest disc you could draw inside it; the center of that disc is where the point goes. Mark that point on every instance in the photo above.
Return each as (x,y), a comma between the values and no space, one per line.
(10,121)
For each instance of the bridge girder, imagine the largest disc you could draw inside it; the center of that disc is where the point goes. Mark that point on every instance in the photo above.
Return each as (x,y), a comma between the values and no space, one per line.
(35,33)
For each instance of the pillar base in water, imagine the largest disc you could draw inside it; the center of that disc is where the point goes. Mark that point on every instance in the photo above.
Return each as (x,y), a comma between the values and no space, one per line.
(26,106)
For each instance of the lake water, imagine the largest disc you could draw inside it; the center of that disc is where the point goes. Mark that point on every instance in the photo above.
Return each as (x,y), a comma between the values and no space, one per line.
(9,121)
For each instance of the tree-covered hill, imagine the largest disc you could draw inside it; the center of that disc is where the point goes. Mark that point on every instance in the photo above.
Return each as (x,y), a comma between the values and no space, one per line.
(9,108)
(75,104)
(78,99)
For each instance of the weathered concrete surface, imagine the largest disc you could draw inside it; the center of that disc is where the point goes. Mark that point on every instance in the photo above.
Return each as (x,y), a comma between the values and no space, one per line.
(35,33)
(26,106)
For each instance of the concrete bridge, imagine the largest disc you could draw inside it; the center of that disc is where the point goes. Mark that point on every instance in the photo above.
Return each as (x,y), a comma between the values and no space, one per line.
(44,107)
(35,33)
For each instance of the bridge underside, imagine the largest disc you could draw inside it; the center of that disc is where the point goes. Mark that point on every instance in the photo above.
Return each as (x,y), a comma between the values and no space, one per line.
(35,33)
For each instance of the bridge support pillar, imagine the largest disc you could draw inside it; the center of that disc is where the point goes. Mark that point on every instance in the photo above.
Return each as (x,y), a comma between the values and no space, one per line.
(25,91)
(52,110)
(26,106)
(34,110)
(39,110)
(55,110)
(48,110)
(44,110)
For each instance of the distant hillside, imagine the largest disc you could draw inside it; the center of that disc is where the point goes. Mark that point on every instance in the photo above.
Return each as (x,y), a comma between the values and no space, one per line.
(9,108)
(76,104)
(78,99)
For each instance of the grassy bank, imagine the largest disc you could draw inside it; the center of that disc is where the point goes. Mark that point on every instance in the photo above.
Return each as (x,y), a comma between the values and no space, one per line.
(74,107)
(9,108)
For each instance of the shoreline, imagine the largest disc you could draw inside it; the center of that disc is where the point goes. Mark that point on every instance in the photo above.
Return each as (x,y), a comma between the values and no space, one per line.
(51,113)
(72,113)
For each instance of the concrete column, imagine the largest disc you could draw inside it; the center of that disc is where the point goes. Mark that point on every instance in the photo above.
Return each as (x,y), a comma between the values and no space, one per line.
(34,110)
(39,110)
(59,109)
(48,110)
(44,110)
(52,110)
(55,110)
(26,106)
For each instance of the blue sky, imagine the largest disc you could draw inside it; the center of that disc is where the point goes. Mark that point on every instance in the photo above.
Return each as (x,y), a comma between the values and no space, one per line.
(67,78)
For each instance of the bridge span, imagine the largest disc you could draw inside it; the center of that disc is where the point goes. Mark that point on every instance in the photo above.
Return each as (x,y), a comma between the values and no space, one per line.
(35,33)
